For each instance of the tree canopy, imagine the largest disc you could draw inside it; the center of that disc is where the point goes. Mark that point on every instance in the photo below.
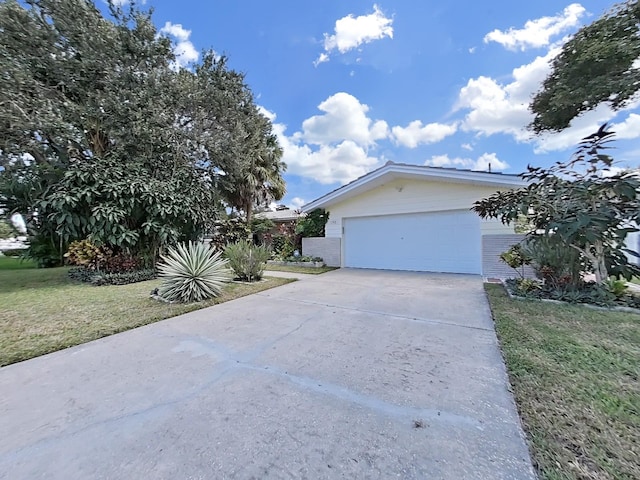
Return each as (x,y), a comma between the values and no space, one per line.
(597,65)
(574,202)
(103,137)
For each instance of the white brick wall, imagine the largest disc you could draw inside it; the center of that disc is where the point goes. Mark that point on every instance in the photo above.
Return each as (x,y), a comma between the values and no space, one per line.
(326,248)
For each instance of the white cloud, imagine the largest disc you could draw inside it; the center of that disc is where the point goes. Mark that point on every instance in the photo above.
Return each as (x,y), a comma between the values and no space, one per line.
(351,32)
(538,33)
(344,118)
(482,163)
(184,50)
(495,108)
(467,146)
(331,162)
(588,123)
(296,202)
(328,164)
(628,129)
(415,133)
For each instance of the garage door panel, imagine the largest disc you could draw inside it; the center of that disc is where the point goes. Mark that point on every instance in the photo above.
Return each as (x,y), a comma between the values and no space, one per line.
(437,242)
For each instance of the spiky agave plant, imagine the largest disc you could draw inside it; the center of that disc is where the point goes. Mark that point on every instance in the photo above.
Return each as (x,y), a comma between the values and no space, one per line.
(192,272)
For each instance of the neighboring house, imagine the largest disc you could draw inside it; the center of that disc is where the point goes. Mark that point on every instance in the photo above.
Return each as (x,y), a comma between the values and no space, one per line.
(279,217)
(408,217)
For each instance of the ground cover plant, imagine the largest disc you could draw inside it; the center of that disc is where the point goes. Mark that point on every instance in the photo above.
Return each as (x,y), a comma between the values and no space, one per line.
(575,377)
(43,310)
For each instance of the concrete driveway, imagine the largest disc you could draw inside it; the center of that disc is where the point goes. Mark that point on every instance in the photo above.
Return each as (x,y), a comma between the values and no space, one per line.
(350,374)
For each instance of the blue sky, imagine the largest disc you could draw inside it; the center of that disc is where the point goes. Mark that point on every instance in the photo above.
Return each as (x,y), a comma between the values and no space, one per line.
(351,85)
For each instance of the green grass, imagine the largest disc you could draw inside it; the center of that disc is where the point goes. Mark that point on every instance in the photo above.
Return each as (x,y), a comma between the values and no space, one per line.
(15,263)
(293,269)
(42,310)
(575,374)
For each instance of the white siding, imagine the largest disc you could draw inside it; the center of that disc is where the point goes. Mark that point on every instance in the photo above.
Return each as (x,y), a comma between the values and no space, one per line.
(412,196)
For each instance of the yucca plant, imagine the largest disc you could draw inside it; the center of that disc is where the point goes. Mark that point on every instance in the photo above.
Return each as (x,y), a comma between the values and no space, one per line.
(192,272)
(246,260)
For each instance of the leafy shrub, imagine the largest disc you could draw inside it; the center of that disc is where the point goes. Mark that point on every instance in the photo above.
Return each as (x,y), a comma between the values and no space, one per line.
(303,258)
(44,251)
(247,261)
(590,293)
(260,225)
(94,277)
(282,246)
(124,278)
(559,265)
(312,225)
(229,230)
(192,272)
(122,263)
(616,287)
(516,258)
(528,285)
(83,253)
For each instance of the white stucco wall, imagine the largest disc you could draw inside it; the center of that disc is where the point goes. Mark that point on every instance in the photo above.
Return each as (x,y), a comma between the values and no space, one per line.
(412,196)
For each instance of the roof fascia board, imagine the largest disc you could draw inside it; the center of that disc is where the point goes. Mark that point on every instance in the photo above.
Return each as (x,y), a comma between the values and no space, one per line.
(397,171)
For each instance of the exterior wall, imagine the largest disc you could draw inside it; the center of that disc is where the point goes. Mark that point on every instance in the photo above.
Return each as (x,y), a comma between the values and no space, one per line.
(412,196)
(492,247)
(632,242)
(327,248)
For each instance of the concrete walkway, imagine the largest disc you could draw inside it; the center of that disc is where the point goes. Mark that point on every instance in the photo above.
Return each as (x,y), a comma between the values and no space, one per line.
(349,374)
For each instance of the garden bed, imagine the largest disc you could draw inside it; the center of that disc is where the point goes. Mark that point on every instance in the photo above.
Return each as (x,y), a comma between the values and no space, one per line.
(296,264)
(591,296)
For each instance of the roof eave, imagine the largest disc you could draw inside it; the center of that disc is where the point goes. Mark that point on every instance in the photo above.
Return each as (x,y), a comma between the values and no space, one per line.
(397,171)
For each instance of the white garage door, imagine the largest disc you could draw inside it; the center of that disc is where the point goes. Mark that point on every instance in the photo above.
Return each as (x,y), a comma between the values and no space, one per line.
(431,242)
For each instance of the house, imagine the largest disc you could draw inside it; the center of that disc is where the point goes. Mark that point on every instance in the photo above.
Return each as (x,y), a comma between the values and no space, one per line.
(281,216)
(409,217)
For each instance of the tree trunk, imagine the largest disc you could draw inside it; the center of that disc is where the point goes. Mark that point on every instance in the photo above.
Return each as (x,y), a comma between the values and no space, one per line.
(248,210)
(595,254)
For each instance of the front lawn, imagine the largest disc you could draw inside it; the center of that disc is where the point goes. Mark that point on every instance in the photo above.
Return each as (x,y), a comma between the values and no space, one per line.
(575,374)
(15,263)
(42,310)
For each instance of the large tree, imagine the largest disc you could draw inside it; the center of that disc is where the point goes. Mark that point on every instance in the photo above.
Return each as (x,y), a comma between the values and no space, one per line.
(597,65)
(258,180)
(575,203)
(101,136)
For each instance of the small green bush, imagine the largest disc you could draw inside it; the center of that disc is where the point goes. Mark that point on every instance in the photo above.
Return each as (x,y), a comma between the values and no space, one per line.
(192,272)
(618,288)
(247,261)
(93,277)
(282,246)
(303,258)
(516,258)
(83,253)
(557,264)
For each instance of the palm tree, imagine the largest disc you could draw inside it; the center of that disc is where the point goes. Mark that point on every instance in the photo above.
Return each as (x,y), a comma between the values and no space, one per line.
(258,177)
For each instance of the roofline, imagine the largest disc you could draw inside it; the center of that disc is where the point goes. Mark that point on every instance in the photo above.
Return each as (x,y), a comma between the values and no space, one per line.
(452,174)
